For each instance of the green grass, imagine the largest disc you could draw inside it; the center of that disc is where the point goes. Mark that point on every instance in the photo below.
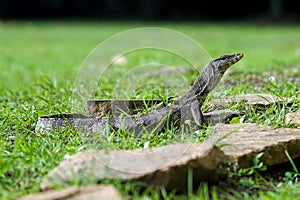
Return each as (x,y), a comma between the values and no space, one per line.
(39,62)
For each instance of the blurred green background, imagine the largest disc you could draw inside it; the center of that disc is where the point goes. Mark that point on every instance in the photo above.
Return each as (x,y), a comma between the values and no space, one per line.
(57,49)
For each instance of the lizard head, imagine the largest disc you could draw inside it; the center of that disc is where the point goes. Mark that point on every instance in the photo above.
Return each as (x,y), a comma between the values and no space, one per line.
(225,61)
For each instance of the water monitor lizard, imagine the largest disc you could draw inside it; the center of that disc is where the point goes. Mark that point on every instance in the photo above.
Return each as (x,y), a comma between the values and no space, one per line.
(187,108)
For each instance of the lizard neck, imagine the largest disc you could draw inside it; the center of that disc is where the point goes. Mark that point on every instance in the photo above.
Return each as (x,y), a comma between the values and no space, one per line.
(207,81)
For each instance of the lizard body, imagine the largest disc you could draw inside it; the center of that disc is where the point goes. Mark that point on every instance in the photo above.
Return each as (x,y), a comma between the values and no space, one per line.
(188,107)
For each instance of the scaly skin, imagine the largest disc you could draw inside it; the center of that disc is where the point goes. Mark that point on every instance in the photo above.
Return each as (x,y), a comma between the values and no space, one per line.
(188,107)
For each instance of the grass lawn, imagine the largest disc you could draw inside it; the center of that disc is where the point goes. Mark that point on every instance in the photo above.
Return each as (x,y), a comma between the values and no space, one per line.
(39,62)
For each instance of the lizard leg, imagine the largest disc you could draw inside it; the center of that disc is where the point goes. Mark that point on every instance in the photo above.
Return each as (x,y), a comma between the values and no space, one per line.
(196,113)
(191,117)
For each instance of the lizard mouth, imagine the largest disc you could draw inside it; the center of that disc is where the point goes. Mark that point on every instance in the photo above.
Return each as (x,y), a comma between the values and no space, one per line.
(237,57)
